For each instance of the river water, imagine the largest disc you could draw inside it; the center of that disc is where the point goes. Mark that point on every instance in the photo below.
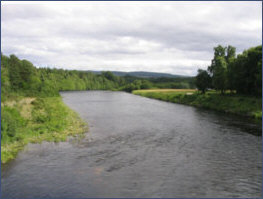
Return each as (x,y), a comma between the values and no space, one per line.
(140,147)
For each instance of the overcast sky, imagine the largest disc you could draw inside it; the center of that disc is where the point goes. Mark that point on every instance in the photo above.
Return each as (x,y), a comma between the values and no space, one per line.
(173,37)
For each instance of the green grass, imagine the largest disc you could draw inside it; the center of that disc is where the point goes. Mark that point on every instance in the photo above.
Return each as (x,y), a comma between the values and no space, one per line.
(230,103)
(35,120)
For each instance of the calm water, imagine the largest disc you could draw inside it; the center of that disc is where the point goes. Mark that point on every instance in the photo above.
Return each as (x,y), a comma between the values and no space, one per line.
(140,147)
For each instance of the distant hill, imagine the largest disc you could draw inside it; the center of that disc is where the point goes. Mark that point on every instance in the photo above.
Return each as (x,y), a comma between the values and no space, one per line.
(143,74)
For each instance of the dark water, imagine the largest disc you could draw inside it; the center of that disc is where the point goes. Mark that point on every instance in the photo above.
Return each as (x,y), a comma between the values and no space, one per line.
(140,147)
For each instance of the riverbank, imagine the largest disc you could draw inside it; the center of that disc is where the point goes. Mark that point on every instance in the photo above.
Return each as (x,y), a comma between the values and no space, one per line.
(229,103)
(33,120)
(152,139)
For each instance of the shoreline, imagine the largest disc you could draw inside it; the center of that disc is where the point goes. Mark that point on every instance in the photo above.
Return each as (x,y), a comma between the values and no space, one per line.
(230,104)
(41,119)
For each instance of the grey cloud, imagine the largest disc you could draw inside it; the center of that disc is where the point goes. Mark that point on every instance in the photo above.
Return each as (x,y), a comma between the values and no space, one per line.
(176,37)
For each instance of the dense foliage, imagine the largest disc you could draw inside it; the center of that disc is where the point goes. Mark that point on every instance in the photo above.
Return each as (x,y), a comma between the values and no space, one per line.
(21,77)
(242,73)
(203,80)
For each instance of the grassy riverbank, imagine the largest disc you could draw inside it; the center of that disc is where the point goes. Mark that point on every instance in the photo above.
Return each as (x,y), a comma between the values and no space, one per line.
(230,103)
(27,119)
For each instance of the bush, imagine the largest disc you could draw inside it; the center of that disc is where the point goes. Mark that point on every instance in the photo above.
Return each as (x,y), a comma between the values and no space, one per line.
(11,120)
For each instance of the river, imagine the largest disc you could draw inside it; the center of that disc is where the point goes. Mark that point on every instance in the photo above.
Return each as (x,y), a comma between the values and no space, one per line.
(141,147)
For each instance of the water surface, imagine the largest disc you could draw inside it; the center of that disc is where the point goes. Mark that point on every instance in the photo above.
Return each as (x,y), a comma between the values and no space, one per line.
(140,147)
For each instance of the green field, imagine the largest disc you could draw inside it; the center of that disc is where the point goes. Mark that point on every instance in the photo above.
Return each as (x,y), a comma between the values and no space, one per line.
(229,103)
(29,119)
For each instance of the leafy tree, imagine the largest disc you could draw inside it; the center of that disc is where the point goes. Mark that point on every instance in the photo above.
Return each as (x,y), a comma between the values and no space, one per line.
(203,80)
(14,72)
(230,53)
(248,72)
(219,76)
(26,73)
(219,65)
(109,75)
(231,75)
(4,78)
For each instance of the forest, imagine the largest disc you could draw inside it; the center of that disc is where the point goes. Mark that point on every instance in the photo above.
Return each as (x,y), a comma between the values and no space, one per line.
(22,77)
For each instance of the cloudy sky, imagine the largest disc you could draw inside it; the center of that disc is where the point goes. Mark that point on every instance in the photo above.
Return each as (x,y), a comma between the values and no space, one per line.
(173,37)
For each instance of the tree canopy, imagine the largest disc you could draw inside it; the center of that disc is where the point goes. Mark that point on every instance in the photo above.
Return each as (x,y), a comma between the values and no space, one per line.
(203,80)
(21,76)
(242,73)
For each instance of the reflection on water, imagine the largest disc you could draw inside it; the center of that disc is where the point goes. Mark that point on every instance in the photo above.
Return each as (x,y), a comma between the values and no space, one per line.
(140,147)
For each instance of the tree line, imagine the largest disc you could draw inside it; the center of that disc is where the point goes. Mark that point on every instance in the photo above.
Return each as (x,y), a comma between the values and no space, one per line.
(22,77)
(241,74)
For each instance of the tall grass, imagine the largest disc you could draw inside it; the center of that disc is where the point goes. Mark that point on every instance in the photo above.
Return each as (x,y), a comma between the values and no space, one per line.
(35,120)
